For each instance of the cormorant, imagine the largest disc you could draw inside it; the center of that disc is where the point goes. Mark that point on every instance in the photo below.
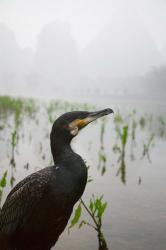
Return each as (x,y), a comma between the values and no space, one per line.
(38,208)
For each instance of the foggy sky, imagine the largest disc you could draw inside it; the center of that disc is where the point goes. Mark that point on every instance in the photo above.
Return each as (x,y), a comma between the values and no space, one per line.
(79,42)
(87,18)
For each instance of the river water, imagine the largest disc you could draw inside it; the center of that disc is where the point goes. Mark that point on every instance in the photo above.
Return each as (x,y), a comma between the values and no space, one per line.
(135,218)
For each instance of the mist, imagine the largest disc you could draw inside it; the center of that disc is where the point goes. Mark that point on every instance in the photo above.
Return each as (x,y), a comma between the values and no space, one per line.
(70,58)
(110,48)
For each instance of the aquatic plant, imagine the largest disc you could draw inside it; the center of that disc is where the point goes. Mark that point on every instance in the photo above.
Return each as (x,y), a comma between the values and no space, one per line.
(101,154)
(126,129)
(18,107)
(95,209)
(2,184)
(121,150)
(133,134)
(14,142)
(161,127)
(12,113)
(147,146)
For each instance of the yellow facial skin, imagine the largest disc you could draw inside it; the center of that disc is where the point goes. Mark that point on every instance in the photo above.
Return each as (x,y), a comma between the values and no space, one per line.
(77,124)
(80,123)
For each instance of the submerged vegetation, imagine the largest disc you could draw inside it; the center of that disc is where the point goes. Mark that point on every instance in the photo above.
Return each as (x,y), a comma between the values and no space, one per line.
(133,137)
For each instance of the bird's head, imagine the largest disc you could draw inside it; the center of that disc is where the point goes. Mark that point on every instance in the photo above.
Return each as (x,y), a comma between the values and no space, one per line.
(69,124)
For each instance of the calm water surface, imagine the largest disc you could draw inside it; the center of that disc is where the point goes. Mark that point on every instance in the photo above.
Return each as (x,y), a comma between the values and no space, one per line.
(135,218)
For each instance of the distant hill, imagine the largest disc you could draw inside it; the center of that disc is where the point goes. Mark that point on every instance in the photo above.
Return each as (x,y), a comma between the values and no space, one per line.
(56,56)
(15,63)
(123,48)
(122,62)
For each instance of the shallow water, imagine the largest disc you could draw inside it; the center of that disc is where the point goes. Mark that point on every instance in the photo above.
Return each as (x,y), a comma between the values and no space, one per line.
(135,218)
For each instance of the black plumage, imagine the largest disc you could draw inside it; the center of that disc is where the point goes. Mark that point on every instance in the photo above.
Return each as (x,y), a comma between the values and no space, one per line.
(38,208)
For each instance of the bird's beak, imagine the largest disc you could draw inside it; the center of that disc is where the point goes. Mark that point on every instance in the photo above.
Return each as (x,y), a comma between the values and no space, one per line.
(91,116)
(95,115)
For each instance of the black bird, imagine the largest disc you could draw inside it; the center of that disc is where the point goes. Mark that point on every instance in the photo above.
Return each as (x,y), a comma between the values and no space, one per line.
(38,208)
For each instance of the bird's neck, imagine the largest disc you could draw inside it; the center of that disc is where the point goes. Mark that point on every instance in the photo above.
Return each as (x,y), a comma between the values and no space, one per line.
(61,149)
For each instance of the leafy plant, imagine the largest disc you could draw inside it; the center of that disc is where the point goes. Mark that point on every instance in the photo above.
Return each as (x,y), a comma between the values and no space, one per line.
(133,134)
(120,149)
(14,142)
(95,210)
(102,156)
(2,184)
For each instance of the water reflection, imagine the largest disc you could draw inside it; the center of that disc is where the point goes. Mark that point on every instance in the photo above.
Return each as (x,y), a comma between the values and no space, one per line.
(147,147)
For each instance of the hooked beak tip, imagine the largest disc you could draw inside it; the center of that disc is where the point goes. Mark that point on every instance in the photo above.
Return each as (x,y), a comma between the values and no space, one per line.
(101,113)
(108,111)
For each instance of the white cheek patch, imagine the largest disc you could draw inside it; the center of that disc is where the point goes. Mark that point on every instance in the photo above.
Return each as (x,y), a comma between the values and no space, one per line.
(74,131)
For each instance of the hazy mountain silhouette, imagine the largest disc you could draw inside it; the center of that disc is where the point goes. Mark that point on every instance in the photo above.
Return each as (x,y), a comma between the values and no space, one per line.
(15,63)
(56,58)
(10,55)
(123,48)
(119,61)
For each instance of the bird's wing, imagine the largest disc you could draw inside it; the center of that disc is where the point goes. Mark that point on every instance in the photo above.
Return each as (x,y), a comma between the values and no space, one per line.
(21,201)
